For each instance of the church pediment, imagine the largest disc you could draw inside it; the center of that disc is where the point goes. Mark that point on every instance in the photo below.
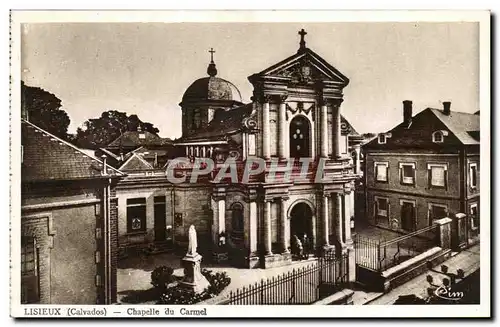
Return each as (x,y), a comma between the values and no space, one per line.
(304,67)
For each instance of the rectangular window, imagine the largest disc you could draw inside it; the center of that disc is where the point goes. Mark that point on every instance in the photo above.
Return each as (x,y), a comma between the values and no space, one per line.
(382,206)
(473,175)
(437,211)
(474,217)
(30,283)
(407,173)
(136,215)
(381,169)
(437,175)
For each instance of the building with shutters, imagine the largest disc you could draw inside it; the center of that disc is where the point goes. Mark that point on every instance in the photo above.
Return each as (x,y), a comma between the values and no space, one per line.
(424,169)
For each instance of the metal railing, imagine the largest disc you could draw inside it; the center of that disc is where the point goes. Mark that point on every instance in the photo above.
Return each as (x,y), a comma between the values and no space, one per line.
(304,285)
(380,255)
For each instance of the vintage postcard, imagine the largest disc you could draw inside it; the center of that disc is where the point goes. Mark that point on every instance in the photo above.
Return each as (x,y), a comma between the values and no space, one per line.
(190,164)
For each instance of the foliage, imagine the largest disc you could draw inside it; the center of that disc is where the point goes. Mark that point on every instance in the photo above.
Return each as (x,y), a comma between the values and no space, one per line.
(43,109)
(161,277)
(179,295)
(99,132)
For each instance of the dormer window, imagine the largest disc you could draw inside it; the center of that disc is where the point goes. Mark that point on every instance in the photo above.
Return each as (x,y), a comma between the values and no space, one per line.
(381,139)
(437,137)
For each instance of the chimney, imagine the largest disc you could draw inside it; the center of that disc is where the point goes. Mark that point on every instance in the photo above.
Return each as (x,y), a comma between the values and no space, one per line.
(446,108)
(407,111)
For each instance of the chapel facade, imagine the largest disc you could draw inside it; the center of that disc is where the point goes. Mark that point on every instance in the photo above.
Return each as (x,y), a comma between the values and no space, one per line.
(294,113)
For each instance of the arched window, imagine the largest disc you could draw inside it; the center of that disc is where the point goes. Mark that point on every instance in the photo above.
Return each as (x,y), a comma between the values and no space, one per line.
(197,118)
(237,221)
(299,137)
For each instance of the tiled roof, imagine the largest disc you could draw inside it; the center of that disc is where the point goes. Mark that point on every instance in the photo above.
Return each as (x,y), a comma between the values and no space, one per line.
(47,157)
(132,139)
(463,128)
(460,124)
(224,123)
(135,162)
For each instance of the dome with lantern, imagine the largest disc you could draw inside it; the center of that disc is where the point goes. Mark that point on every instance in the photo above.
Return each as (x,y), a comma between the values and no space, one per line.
(212,89)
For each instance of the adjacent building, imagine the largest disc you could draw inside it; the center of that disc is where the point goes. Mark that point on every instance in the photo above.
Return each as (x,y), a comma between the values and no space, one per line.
(68,223)
(425,168)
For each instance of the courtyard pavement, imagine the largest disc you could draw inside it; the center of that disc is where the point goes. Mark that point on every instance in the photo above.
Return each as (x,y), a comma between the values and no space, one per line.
(134,275)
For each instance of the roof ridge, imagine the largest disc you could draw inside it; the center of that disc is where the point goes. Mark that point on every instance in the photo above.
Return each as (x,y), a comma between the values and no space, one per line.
(71,146)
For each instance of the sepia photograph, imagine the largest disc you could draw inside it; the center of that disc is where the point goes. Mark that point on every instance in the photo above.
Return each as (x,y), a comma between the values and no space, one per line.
(176,164)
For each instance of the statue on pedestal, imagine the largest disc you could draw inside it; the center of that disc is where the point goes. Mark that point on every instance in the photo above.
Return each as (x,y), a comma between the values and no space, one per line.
(191,262)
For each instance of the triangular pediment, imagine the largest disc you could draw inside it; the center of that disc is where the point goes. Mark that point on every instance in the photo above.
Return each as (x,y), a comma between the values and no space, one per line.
(305,66)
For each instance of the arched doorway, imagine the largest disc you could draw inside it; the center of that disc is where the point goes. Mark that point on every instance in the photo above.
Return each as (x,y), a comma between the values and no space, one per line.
(301,224)
(300,137)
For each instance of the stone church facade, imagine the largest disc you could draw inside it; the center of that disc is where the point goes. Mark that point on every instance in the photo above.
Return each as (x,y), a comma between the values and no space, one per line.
(295,112)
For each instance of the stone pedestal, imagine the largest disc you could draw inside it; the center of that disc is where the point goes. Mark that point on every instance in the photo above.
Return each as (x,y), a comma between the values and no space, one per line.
(350,253)
(444,232)
(193,278)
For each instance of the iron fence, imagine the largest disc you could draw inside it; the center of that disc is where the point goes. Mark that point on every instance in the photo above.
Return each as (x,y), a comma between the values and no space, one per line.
(304,285)
(380,255)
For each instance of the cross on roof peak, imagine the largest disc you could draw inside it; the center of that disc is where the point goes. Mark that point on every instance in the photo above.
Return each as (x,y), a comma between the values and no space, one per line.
(302,34)
(212,51)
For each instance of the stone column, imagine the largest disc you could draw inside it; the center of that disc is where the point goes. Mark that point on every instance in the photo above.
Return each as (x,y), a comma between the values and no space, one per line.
(215,221)
(357,148)
(324,130)
(221,205)
(285,241)
(346,199)
(444,232)
(339,217)
(325,214)
(266,130)
(282,144)
(253,227)
(267,227)
(203,152)
(351,202)
(336,130)
(187,151)
(314,241)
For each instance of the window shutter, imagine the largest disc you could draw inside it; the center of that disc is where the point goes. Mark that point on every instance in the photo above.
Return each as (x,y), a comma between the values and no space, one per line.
(429,177)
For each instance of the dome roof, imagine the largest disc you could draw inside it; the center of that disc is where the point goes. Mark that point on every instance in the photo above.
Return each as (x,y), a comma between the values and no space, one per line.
(212,87)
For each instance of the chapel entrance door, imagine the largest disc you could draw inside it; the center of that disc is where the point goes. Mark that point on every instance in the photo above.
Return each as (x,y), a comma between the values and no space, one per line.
(301,226)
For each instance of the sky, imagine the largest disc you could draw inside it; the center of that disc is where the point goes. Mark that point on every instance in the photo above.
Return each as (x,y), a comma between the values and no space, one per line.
(144,68)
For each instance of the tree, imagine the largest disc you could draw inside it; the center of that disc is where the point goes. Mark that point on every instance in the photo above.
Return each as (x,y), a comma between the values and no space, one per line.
(42,108)
(99,132)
